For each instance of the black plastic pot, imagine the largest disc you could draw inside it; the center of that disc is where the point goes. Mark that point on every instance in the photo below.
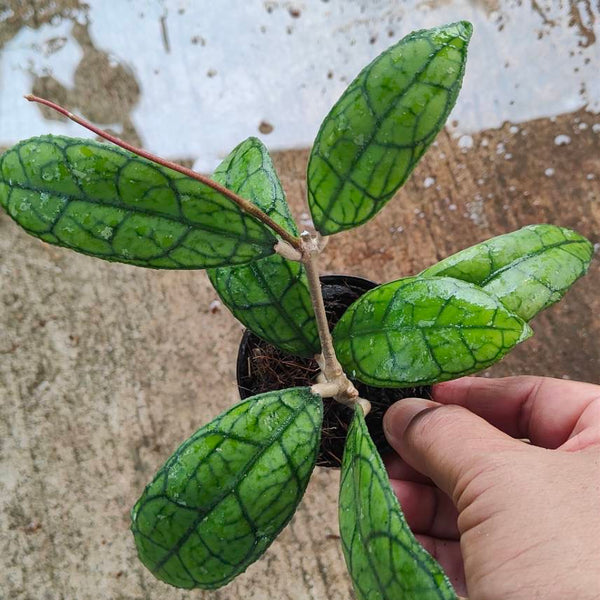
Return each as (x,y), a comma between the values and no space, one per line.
(262,367)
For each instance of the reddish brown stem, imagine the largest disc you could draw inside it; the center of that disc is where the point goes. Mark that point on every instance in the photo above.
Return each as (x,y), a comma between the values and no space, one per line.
(244,204)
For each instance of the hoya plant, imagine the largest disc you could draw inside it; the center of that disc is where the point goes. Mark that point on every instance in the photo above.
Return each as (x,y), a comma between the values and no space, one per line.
(224,495)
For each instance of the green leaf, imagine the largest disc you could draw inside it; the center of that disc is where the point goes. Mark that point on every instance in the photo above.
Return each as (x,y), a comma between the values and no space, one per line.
(226,493)
(527,270)
(380,127)
(104,201)
(384,559)
(269,296)
(420,330)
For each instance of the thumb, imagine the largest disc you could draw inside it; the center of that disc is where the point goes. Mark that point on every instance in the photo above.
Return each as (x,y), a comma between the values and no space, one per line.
(447,443)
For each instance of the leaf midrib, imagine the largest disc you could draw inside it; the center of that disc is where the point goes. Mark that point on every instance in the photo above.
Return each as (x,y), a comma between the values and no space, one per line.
(390,329)
(293,325)
(490,278)
(234,485)
(380,120)
(182,220)
(360,460)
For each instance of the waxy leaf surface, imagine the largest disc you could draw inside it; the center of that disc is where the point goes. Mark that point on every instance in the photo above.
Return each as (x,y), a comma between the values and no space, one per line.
(419,331)
(104,201)
(225,494)
(384,559)
(269,296)
(527,270)
(378,130)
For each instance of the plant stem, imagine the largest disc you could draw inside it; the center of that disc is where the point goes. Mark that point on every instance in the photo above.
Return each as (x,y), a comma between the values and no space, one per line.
(330,366)
(305,250)
(244,204)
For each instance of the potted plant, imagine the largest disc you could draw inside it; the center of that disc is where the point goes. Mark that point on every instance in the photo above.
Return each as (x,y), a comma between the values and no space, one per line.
(226,492)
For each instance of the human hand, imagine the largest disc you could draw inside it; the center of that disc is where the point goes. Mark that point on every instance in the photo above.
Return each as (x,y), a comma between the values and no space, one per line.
(506,519)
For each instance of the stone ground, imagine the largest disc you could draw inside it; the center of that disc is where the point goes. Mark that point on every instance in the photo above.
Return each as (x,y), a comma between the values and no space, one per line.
(106,368)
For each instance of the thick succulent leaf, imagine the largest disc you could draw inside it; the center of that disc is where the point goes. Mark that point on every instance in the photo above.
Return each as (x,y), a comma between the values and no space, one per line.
(378,130)
(527,270)
(420,330)
(225,494)
(384,559)
(269,296)
(104,201)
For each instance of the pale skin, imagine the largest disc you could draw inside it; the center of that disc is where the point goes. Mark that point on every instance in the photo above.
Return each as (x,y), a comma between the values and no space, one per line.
(508,519)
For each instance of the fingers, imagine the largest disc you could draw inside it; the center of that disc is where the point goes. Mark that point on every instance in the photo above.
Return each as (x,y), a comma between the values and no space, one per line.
(448,554)
(398,469)
(587,429)
(542,409)
(446,443)
(427,509)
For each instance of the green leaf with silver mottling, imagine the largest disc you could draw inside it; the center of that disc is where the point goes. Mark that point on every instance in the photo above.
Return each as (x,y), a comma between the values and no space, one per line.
(527,270)
(109,203)
(269,296)
(226,493)
(384,559)
(380,127)
(420,330)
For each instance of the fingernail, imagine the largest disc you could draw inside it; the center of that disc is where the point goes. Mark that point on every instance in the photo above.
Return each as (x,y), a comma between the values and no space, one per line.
(400,415)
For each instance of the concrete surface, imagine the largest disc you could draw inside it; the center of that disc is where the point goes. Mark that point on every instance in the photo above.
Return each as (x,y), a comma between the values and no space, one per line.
(106,368)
